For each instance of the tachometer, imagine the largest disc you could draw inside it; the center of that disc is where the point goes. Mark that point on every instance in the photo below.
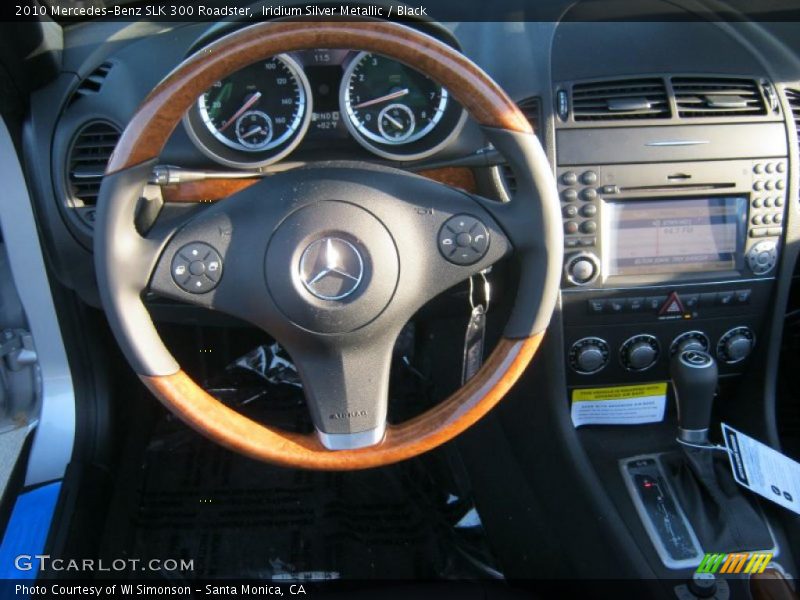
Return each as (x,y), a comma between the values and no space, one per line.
(255,116)
(395,111)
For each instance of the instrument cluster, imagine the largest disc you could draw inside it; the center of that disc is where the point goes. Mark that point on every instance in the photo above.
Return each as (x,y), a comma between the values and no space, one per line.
(259,114)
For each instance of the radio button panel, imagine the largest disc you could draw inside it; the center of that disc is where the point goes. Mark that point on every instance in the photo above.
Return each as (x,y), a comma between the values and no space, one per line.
(580,220)
(585,189)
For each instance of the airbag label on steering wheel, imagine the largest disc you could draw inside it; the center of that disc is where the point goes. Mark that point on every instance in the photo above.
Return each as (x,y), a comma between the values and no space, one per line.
(619,405)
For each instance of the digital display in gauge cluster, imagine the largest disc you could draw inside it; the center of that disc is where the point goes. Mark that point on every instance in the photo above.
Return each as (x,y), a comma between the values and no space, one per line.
(324,71)
(259,114)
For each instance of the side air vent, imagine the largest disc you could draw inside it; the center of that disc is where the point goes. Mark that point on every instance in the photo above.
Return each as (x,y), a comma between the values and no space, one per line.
(717,97)
(531,108)
(88,156)
(620,100)
(93,83)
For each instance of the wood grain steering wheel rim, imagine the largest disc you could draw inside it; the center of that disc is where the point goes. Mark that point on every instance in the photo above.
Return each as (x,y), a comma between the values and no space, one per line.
(145,137)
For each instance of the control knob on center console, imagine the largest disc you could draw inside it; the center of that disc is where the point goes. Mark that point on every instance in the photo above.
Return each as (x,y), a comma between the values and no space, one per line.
(735,345)
(582,268)
(588,355)
(690,340)
(762,257)
(639,352)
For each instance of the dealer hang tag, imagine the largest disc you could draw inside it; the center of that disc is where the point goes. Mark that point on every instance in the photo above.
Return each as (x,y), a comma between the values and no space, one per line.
(762,469)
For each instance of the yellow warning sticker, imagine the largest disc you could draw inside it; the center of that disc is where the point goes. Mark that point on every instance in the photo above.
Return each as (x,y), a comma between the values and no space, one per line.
(621,392)
(619,405)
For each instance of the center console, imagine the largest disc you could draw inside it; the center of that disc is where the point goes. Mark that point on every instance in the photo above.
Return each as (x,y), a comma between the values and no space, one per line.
(665,257)
(679,225)
(671,256)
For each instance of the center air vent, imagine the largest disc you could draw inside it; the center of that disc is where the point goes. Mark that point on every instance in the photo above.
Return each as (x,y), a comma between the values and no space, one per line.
(717,97)
(531,108)
(620,100)
(793,97)
(88,157)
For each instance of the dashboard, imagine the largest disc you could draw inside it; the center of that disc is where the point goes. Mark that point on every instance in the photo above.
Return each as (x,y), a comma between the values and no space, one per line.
(674,163)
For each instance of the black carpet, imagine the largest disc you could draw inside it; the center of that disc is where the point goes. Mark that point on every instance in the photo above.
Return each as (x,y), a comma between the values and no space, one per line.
(238,518)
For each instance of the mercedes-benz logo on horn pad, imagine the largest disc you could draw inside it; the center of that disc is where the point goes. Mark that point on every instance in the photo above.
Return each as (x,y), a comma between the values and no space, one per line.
(331,268)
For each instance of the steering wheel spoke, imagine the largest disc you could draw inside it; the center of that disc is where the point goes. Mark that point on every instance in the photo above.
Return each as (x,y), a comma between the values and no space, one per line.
(191,266)
(346,385)
(215,260)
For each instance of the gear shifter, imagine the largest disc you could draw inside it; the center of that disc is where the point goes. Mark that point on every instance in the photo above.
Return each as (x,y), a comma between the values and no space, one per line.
(694,378)
(721,516)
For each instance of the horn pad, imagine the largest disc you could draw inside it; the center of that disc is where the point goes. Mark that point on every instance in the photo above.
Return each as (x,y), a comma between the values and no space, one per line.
(332,267)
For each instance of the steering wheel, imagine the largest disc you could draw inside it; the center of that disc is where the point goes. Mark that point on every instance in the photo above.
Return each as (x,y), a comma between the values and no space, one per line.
(330,260)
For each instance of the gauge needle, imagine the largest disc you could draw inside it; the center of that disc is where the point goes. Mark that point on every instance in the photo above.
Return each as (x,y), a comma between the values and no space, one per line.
(393,121)
(253,131)
(392,96)
(252,100)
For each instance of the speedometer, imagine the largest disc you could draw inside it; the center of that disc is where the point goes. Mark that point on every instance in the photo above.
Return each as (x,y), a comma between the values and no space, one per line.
(396,111)
(254,116)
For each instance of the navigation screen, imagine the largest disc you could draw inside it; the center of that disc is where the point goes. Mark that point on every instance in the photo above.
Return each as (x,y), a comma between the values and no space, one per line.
(674,236)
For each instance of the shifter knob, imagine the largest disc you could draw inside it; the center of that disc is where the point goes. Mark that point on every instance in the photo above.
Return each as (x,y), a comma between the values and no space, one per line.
(694,378)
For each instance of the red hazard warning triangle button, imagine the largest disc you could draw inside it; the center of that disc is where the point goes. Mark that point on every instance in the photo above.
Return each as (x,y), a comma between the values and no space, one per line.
(673,305)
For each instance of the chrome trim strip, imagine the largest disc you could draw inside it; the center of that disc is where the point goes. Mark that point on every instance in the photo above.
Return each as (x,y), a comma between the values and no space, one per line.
(693,436)
(352,441)
(678,143)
